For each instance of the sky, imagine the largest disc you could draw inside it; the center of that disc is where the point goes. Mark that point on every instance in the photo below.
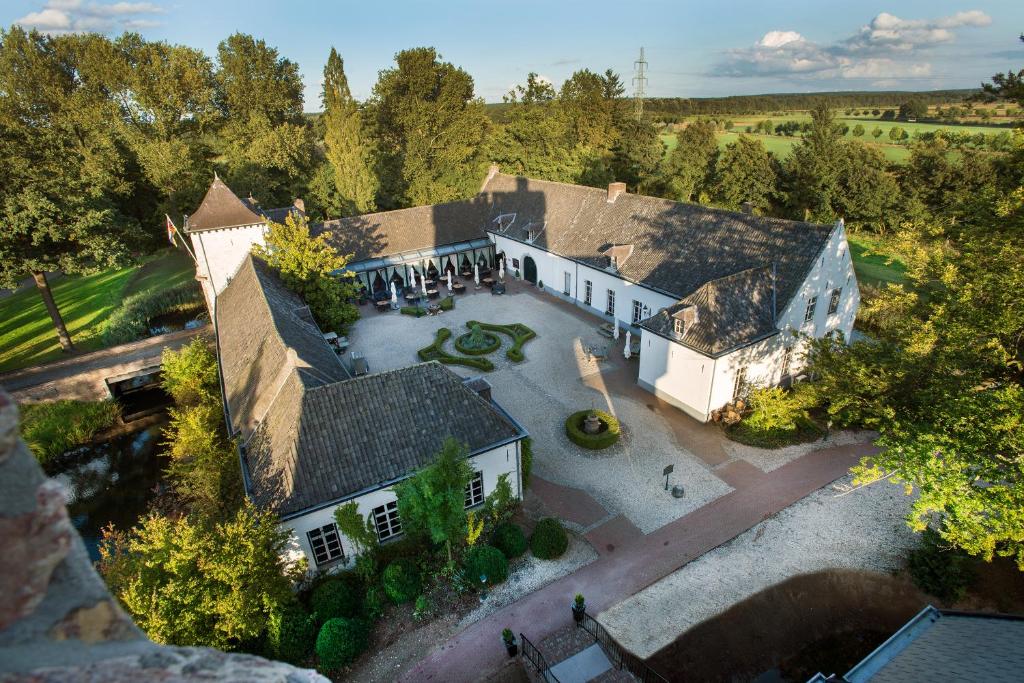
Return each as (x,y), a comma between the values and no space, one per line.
(703,49)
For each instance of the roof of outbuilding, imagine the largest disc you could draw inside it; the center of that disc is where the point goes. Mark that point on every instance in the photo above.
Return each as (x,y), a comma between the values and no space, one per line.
(322,443)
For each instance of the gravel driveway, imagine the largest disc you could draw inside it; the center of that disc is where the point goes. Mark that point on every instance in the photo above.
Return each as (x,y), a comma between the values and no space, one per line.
(544,389)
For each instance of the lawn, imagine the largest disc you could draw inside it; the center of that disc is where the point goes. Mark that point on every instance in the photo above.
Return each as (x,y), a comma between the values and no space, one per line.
(872,265)
(27,336)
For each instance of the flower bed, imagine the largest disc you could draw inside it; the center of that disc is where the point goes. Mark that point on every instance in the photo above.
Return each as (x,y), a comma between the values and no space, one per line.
(607,436)
(519,333)
(435,352)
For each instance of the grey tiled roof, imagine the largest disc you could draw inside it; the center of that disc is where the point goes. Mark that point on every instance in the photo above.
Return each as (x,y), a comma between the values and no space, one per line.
(265,335)
(731,311)
(940,645)
(222,208)
(321,443)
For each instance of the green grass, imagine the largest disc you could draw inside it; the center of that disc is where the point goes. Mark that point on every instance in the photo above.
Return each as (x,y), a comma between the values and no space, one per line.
(51,429)
(27,335)
(872,264)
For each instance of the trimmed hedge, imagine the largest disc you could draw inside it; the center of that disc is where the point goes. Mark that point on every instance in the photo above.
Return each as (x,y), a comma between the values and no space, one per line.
(492,347)
(447,303)
(519,333)
(484,560)
(509,539)
(549,539)
(603,439)
(340,641)
(337,596)
(806,431)
(413,310)
(435,352)
(291,632)
(401,580)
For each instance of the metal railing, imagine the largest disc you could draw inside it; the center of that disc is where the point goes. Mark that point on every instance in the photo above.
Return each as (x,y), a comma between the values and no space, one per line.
(533,655)
(619,656)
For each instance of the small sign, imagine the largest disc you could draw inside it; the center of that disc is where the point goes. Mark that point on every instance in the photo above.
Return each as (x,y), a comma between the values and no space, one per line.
(668,470)
(515,263)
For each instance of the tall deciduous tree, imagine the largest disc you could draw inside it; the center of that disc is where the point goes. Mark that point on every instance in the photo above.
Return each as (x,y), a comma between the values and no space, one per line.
(430,128)
(63,173)
(814,169)
(689,168)
(637,153)
(348,149)
(746,172)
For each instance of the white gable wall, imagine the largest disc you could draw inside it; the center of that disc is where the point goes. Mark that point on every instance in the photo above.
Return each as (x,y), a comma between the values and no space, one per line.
(220,252)
(493,463)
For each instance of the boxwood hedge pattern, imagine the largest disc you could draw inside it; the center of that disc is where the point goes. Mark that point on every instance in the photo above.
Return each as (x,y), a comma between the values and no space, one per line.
(603,439)
(490,348)
(518,332)
(435,352)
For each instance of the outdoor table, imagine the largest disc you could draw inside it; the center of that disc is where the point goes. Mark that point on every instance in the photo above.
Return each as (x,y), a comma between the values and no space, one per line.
(487,281)
(382,305)
(431,293)
(458,288)
(466,273)
(412,297)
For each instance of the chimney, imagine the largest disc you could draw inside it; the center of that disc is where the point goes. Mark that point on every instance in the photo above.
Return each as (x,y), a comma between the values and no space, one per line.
(480,386)
(614,190)
(747,208)
(300,205)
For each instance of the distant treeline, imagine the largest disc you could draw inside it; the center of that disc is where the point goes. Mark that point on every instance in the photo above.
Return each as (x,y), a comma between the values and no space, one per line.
(666,107)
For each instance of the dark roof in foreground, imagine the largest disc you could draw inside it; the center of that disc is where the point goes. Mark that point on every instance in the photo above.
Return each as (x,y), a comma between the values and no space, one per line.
(311,434)
(943,645)
(321,443)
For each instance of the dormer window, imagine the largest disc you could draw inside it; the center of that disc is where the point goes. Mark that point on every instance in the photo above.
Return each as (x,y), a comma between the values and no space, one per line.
(683,320)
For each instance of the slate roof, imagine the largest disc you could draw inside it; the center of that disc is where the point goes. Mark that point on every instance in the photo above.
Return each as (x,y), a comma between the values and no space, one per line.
(941,645)
(222,208)
(325,442)
(311,434)
(731,311)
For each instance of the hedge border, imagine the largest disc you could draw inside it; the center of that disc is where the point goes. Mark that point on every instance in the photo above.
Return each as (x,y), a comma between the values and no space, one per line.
(594,442)
(518,332)
(477,352)
(435,352)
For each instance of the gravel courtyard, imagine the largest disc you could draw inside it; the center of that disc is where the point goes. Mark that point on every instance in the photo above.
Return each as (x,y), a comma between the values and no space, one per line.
(544,389)
(864,529)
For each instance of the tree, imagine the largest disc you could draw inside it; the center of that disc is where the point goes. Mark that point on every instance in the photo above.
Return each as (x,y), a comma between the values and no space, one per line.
(913,110)
(188,583)
(876,133)
(896,133)
(637,153)
(858,131)
(688,171)
(590,103)
(814,168)
(310,267)
(1006,86)
(268,148)
(430,128)
(348,149)
(746,172)
(867,192)
(432,503)
(63,172)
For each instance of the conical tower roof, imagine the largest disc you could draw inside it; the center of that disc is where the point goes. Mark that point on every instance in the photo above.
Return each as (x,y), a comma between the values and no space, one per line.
(221,208)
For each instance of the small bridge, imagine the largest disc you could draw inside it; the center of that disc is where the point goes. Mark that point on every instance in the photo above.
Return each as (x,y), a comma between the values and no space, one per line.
(98,375)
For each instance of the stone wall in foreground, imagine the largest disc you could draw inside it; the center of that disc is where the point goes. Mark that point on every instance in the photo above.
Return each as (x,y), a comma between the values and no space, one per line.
(58,622)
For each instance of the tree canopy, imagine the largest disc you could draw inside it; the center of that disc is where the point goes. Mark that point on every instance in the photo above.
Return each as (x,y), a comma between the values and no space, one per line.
(348,149)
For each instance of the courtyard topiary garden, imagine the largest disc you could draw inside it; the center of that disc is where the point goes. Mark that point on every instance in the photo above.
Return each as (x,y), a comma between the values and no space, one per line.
(481,340)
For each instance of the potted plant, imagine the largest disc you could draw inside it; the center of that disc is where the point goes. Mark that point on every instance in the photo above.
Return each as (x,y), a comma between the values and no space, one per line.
(540,284)
(510,642)
(517,273)
(579,606)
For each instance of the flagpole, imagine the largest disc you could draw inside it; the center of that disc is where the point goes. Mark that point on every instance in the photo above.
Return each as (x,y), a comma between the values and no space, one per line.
(184,242)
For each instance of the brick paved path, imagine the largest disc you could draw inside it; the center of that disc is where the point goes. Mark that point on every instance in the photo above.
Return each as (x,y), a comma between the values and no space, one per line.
(635,564)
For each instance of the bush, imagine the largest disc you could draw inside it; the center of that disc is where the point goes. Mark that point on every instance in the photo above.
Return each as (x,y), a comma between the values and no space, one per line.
(509,539)
(340,641)
(493,343)
(549,539)
(401,580)
(447,303)
(51,429)
(940,570)
(413,310)
(189,375)
(435,352)
(373,603)
(527,459)
(485,560)
(603,439)
(131,320)
(337,596)
(519,333)
(291,631)
(777,418)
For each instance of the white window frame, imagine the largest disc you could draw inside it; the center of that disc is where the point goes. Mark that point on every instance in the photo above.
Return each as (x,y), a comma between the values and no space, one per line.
(677,326)
(588,292)
(787,361)
(322,542)
(609,308)
(567,285)
(833,303)
(386,521)
(812,304)
(739,382)
(475,490)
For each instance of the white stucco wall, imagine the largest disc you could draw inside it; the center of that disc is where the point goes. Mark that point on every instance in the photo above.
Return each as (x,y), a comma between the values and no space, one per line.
(219,253)
(493,463)
(676,374)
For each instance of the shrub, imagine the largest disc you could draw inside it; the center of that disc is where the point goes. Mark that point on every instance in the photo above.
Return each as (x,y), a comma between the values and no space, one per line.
(291,631)
(603,439)
(413,310)
(337,596)
(777,418)
(509,539)
(373,603)
(340,641)
(447,303)
(485,560)
(51,429)
(189,375)
(549,539)
(519,333)
(421,609)
(401,580)
(462,344)
(940,570)
(527,459)
(131,320)
(435,352)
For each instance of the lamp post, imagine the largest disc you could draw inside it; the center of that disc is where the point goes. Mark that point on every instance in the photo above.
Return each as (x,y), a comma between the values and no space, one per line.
(483,587)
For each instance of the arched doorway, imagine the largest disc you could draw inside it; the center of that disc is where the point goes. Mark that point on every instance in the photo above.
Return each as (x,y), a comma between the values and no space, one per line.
(529,270)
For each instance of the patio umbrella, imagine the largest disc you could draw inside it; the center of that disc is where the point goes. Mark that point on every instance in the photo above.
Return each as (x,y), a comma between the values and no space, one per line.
(501,269)
(449,280)
(394,292)
(476,274)
(626,351)
(616,333)
(423,282)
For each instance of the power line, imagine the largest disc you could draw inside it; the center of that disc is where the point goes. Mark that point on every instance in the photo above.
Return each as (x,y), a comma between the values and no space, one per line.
(639,86)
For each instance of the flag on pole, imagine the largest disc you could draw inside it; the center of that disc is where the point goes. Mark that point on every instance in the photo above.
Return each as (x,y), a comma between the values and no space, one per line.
(171,230)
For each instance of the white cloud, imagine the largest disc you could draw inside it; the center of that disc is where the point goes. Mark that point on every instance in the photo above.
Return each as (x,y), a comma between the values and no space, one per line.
(70,16)
(887,48)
